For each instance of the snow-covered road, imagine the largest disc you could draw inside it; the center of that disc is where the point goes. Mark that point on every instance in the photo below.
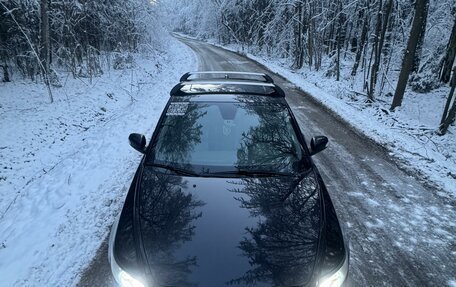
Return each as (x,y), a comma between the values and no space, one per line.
(401,232)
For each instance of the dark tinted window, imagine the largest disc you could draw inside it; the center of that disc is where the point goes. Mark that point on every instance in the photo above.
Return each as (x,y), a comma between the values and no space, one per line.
(214,136)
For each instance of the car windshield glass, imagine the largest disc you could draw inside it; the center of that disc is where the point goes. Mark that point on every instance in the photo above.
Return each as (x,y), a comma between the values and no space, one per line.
(211,137)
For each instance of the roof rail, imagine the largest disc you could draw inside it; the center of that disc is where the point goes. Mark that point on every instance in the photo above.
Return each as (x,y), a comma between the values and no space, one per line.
(190,88)
(232,75)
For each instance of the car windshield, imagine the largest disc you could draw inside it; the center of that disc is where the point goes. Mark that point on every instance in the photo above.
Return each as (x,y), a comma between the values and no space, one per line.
(215,137)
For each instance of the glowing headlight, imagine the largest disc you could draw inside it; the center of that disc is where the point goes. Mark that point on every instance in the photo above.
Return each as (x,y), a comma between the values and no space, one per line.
(122,277)
(126,280)
(336,279)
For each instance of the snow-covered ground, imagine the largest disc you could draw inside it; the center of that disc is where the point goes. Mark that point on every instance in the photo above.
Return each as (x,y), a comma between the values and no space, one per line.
(409,133)
(65,167)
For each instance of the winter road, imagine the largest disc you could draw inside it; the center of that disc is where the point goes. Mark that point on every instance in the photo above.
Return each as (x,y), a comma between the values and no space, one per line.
(401,232)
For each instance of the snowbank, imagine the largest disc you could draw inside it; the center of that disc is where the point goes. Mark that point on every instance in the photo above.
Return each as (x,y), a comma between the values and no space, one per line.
(65,167)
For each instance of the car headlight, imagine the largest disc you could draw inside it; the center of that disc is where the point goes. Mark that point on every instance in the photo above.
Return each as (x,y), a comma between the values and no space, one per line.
(121,276)
(124,278)
(336,279)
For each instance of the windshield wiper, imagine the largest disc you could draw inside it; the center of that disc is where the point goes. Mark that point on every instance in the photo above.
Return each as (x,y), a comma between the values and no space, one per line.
(177,170)
(252,172)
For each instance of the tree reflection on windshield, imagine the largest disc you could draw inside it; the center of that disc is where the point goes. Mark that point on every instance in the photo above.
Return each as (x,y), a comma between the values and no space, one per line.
(179,134)
(272,143)
(225,136)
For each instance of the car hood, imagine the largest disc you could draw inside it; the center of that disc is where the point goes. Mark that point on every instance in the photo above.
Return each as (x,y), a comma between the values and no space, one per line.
(195,231)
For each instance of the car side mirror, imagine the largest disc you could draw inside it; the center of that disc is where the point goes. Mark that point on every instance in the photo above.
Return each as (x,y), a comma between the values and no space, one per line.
(317,144)
(138,142)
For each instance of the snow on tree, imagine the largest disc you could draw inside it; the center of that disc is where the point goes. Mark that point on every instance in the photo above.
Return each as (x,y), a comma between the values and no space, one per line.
(71,35)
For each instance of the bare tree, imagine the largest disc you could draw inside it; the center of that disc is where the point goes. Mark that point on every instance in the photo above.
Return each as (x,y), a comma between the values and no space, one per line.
(449,113)
(340,36)
(81,31)
(409,57)
(299,34)
(420,35)
(447,63)
(45,43)
(4,66)
(382,26)
(362,42)
(29,44)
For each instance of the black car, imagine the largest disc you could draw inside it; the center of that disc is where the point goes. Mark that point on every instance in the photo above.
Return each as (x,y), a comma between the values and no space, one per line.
(227,194)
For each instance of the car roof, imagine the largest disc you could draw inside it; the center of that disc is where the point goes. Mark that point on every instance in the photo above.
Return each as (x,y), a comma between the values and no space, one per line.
(219,82)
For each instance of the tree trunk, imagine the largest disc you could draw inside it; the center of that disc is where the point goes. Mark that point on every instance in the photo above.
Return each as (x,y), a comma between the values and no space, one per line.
(409,57)
(6,77)
(338,63)
(375,48)
(382,26)
(449,114)
(447,63)
(349,37)
(362,44)
(310,44)
(389,39)
(45,36)
(4,55)
(310,35)
(45,45)
(340,38)
(419,46)
(299,33)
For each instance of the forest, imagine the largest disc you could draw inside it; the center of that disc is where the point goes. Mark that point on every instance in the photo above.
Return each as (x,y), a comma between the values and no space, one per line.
(40,38)
(415,39)
(383,45)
